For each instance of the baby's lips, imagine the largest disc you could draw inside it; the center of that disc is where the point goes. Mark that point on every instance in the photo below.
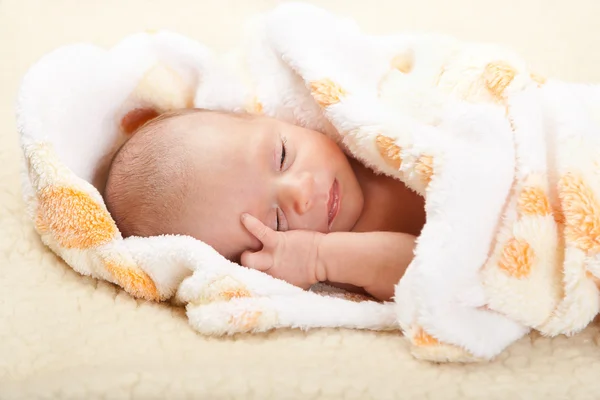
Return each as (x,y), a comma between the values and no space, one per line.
(333,204)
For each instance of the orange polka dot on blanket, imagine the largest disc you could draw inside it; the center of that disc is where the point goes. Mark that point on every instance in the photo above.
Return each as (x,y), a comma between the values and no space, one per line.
(136,118)
(497,76)
(533,201)
(245,321)
(403,63)
(581,213)
(235,293)
(73,218)
(424,168)
(539,79)
(422,338)
(389,151)
(326,92)
(254,106)
(517,258)
(133,279)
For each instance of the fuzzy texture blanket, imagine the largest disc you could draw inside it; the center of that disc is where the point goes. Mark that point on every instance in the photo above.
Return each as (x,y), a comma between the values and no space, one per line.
(506,162)
(67,336)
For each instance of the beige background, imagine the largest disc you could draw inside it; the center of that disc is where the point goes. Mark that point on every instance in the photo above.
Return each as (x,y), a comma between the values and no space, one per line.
(64,336)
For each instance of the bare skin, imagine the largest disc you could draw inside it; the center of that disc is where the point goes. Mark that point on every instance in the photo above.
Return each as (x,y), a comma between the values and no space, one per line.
(372,257)
(275,197)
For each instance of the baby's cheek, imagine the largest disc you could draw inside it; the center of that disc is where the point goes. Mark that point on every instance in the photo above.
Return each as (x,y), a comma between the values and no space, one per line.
(253,245)
(330,154)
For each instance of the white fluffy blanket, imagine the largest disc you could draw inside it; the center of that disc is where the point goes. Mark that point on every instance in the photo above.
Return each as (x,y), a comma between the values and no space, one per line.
(504,159)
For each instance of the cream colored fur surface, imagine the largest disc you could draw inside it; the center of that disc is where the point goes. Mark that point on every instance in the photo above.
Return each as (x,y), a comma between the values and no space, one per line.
(65,337)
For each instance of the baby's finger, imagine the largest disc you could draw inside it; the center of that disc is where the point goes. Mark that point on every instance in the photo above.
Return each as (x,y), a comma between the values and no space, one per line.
(259,230)
(260,261)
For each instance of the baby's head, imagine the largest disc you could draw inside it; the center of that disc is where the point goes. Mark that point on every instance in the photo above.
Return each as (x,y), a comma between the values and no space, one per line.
(195,172)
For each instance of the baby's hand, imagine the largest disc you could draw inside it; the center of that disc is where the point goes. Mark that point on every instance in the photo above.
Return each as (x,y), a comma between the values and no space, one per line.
(291,256)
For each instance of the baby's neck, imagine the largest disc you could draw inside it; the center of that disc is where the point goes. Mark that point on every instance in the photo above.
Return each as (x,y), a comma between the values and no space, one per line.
(388,204)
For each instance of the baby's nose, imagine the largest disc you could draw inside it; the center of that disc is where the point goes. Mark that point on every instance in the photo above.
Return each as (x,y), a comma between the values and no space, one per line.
(299,192)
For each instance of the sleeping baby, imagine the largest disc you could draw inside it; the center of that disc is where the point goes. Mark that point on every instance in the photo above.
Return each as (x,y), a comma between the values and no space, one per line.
(506,161)
(269,195)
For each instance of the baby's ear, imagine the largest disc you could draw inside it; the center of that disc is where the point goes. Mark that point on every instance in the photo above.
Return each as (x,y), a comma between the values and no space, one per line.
(136,118)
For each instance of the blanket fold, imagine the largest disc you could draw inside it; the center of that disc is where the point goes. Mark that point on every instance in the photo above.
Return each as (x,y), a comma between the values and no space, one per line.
(505,159)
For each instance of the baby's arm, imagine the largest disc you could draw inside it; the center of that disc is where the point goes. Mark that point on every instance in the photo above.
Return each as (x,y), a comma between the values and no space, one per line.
(374,261)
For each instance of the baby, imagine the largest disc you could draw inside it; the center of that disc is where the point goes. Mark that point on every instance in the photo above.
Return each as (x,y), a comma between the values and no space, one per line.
(269,195)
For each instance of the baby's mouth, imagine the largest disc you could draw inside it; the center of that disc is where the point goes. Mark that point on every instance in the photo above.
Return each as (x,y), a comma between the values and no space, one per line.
(333,205)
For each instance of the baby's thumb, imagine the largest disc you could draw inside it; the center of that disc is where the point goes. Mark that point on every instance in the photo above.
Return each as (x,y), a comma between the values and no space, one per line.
(257,260)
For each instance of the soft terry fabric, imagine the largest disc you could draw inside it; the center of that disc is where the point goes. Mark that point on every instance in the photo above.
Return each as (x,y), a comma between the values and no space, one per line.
(505,159)
(66,336)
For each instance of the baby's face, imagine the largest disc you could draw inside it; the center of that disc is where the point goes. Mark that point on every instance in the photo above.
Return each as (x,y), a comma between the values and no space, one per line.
(286,176)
